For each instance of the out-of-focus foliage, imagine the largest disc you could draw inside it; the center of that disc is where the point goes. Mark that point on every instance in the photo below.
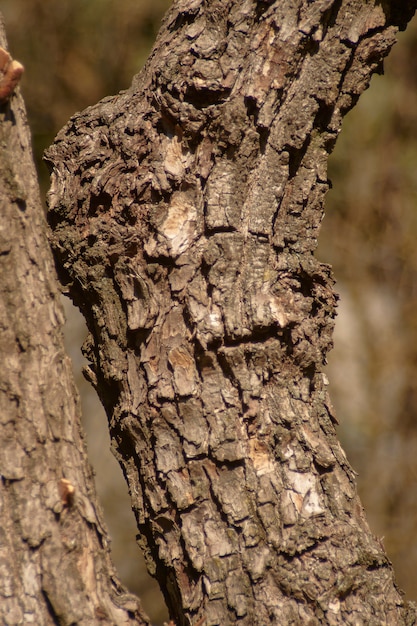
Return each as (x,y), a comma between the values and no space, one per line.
(369,235)
(78,51)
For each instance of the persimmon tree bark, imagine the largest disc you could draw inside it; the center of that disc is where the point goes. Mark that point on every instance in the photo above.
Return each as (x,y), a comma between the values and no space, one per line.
(55,565)
(184,216)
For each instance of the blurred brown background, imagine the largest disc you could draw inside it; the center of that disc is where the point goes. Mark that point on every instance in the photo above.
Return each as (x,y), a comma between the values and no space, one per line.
(369,235)
(78,51)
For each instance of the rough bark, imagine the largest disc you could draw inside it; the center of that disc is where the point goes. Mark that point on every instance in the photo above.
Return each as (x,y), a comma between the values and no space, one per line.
(55,566)
(185,214)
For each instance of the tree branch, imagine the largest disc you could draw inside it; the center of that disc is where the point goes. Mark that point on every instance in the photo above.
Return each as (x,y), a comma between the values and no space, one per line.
(185,214)
(55,559)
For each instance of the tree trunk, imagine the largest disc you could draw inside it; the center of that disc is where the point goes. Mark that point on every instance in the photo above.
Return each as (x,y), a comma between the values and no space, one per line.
(185,214)
(55,566)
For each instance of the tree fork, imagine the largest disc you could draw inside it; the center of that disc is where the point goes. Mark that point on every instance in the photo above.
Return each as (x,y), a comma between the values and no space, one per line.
(184,215)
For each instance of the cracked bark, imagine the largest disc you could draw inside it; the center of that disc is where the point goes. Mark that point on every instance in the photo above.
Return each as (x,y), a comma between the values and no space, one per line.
(184,215)
(55,565)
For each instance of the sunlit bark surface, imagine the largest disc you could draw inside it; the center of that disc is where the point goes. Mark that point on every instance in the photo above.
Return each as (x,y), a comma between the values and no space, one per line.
(184,215)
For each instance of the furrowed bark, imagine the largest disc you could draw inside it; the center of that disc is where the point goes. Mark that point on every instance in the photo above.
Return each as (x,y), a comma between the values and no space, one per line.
(55,565)
(184,215)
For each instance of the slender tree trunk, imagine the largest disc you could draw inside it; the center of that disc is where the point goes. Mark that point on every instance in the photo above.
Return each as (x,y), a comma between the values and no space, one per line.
(185,214)
(55,566)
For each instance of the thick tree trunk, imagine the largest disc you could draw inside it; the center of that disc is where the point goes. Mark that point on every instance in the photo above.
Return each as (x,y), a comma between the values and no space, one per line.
(185,214)
(55,566)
